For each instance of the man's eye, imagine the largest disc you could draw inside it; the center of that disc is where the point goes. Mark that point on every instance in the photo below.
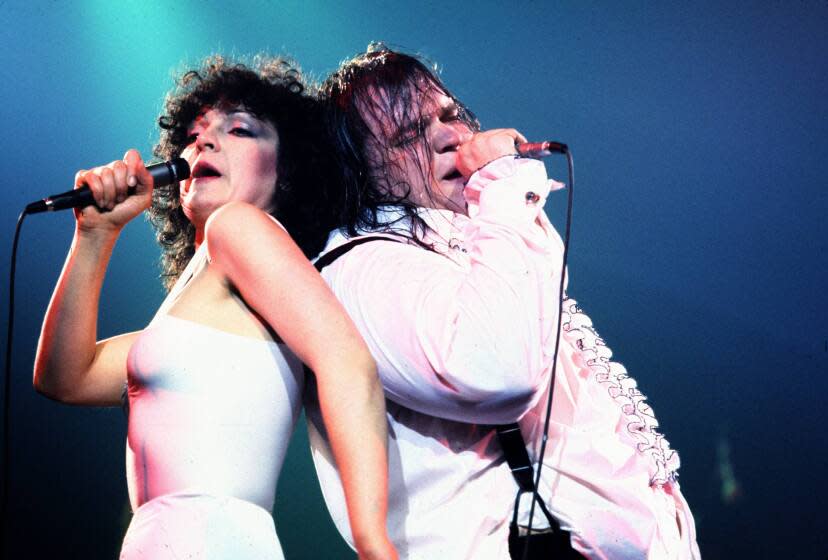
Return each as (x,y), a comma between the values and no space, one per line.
(406,140)
(191,138)
(409,134)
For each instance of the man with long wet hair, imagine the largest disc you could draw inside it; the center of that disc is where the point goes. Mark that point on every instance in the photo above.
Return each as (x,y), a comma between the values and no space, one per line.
(450,269)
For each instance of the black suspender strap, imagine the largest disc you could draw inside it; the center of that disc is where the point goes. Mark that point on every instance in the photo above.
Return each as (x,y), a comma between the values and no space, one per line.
(511,440)
(514,448)
(551,544)
(337,252)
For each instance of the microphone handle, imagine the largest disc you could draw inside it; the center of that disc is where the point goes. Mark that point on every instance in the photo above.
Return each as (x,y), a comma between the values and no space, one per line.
(76,198)
(540,149)
(163,174)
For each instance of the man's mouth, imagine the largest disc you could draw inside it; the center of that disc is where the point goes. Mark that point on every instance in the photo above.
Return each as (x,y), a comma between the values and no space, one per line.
(452,176)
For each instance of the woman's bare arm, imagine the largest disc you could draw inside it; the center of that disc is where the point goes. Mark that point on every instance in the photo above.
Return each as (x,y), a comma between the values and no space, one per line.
(70,366)
(278,282)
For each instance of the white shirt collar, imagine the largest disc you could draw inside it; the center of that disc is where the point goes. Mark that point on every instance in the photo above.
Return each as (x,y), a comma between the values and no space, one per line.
(445,227)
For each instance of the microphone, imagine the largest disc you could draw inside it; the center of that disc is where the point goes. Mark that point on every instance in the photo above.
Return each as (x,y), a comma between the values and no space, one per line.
(540,149)
(163,174)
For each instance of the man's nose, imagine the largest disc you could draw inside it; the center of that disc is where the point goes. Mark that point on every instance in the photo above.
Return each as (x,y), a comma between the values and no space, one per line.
(449,136)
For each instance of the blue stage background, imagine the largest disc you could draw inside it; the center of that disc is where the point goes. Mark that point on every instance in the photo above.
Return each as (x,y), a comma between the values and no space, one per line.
(700,137)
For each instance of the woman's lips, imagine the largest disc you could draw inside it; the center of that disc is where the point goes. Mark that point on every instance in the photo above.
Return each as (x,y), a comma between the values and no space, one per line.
(204,170)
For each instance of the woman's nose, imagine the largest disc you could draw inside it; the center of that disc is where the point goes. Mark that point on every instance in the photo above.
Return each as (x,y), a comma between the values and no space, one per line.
(207,140)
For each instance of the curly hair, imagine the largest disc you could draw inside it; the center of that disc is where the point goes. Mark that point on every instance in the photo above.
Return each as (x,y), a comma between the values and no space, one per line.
(378,85)
(273,89)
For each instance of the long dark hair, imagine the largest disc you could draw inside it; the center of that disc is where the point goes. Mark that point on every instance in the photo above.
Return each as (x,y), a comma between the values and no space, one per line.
(378,85)
(272,88)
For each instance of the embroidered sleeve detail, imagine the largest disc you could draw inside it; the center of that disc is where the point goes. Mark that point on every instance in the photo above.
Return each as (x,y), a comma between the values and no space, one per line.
(641,422)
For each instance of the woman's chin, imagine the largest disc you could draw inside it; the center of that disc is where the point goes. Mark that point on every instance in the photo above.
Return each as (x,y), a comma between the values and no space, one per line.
(198,207)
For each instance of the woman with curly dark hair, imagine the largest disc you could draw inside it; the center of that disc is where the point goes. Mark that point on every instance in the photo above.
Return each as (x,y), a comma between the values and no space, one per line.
(213,383)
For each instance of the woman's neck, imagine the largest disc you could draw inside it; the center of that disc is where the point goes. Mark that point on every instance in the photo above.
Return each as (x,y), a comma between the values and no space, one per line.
(199,237)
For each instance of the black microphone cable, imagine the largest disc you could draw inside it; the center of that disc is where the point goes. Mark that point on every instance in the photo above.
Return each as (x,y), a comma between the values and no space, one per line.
(562,148)
(4,500)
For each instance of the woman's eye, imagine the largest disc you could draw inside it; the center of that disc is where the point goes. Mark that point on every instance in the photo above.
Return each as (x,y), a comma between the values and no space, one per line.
(238,131)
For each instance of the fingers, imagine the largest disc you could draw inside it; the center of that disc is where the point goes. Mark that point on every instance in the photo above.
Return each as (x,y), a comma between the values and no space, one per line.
(109,188)
(93,179)
(119,180)
(137,174)
(102,182)
(502,133)
(485,147)
(110,184)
